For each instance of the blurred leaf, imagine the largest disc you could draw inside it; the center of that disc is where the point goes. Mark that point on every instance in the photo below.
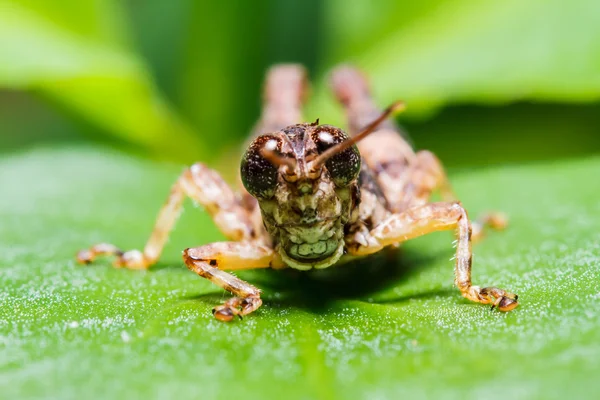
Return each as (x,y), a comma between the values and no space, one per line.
(387,330)
(221,75)
(161,29)
(433,52)
(82,59)
(467,136)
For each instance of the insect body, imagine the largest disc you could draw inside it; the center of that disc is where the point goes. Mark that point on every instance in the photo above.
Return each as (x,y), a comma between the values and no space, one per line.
(315,196)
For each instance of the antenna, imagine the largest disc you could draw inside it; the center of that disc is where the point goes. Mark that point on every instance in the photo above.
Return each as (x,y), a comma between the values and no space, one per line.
(394,108)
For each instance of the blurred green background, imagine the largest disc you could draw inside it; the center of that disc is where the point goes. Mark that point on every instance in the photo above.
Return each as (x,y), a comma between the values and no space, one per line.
(485,82)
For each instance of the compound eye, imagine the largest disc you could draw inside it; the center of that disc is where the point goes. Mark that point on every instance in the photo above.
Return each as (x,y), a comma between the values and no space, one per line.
(344,166)
(259,175)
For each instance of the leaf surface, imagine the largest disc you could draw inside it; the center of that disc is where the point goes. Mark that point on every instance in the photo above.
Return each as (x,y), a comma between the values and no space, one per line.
(382,329)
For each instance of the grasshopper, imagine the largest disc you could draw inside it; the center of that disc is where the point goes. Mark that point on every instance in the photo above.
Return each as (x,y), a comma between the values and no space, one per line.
(315,196)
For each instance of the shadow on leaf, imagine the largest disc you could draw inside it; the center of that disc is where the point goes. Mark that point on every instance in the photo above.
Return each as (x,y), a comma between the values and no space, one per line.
(317,290)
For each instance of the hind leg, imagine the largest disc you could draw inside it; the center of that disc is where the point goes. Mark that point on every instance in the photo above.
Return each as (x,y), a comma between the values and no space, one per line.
(284,93)
(386,151)
(406,178)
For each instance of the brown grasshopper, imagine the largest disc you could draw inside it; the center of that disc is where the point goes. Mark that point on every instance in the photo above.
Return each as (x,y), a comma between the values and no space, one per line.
(315,197)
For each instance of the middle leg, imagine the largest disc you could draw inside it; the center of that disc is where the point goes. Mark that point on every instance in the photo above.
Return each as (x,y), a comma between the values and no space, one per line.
(206,187)
(426,175)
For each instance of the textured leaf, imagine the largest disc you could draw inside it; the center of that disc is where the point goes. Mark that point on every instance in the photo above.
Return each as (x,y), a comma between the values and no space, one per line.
(83,59)
(383,329)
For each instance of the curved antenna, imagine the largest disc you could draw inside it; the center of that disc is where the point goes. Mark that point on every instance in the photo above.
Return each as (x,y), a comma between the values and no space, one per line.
(396,107)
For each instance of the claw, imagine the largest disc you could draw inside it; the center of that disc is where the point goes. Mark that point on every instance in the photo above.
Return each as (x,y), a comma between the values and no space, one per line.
(236,306)
(507,304)
(498,298)
(84,257)
(250,304)
(133,259)
(224,313)
(130,259)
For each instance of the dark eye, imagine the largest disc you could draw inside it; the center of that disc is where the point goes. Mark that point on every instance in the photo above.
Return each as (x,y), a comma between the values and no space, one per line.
(259,176)
(343,166)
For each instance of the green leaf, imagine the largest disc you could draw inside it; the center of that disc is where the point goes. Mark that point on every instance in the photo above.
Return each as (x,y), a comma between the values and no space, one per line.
(431,53)
(83,59)
(382,329)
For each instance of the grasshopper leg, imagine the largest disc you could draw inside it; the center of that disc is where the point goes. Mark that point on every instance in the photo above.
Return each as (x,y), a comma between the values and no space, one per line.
(210,260)
(432,217)
(207,188)
(407,178)
(492,219)
(237,216)
(284,93)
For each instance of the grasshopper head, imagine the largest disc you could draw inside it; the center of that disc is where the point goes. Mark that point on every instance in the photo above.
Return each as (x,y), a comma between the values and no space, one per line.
(305,201)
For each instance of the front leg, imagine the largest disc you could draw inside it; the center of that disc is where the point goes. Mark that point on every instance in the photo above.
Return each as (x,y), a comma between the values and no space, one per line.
(208,261)
(420,220)
(205,187)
